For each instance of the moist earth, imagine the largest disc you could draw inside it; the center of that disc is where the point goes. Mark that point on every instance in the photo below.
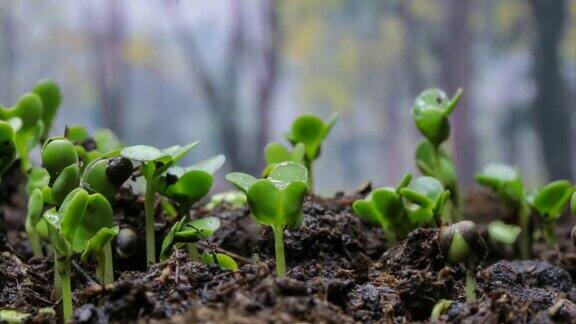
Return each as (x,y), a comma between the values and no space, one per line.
(339,270)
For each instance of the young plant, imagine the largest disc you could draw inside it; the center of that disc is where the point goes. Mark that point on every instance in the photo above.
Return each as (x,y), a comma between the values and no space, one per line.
(91,148)
(383,206)
(506,182)
(26,119)
(275,153)
(51,97)
(425,200)
(186,186)
(234,198)
(106,176)
(153,163)
(276,201)
(310,130)
(549,202)
(502,233)
(61,161)
(461,242)
(546,202)
(77,227)
(430,113)
(7,147)
(187,232)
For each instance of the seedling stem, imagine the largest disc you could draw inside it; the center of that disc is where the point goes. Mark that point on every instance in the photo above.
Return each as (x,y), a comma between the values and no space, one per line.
(279,249)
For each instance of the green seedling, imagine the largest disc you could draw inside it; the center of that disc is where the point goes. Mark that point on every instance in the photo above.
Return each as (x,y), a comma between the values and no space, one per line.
(310,130)
(506,182)
(7,147)
(62,164)
(549,202)
(275,153)
(276,201)
(222,260)
(188,232)
(82,224)
(34,215)
(425,200)
(26,119)
(383,206)
(186,186)
(234,198)
(430,113)
(106,176)
(51,97)
(500,232)
(153,164)
(461,242)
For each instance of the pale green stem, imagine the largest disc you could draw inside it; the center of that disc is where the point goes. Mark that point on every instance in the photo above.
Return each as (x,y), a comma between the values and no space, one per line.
(57,289)
(279,249)
(470,282)
(108,277)
(525,235)
(34,239)
(193,252)
(149,210)
(308,165)
(389,233)
(550,234)
(64,271)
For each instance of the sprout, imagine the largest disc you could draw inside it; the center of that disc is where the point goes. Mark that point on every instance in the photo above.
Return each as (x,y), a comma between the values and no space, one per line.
(188,185)
(503,233)
(440,308)
(383,206)
(154,162)
(235,198)
(186,231)
(461,242)
(222,260)
(89,148)
(549,202)
(83,223)
(276,201)
(34,215)
(106,176)
(7,147)
(51,97)
(430,113)
(62,164)
(506,182)
(424,201)
(275,153)
(310,131)
(26,119)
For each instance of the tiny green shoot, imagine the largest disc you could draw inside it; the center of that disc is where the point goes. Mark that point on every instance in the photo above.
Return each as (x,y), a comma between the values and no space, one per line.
(311,131)
(383,206)
(462,242)
(549,202)
(186,232)
(234,198)
(276,201)
(153,163)
(51,97)
(275,153)
(425,200)
(502,233)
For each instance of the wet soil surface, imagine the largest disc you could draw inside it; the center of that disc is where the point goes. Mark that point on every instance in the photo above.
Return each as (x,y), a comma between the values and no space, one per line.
(339,270)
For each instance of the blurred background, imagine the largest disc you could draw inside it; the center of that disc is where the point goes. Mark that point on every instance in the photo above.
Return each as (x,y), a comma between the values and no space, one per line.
(235,73)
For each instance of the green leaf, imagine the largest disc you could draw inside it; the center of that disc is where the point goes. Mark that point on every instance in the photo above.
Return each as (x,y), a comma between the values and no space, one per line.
(424,199)
(98,214)
(241,180)
(38,179)
(106,141)
(503,179)
(29,110)
(573,203)
(68,180)
(310,130)
(275,153)
(143,153)
(59,242)
(189,188)
(222,260)
(76,133)
(433,124)
(265,201)
(365,209)
(549,201)
(35,206)
(287,172)
(210,166)
(168,242)
(503,233)
(51,97)
(294,196)
(95,245)
(8,151)
(195,230)
(13,316)
(178,152)
(235,198)
(72,211)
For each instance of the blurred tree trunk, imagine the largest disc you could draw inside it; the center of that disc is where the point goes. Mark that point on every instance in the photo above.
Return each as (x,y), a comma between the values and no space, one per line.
(551,107)
(221,90)
(8,58)
(456,71)
(109,66)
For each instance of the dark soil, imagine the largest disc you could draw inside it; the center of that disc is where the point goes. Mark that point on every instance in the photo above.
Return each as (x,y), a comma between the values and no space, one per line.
(339,271)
